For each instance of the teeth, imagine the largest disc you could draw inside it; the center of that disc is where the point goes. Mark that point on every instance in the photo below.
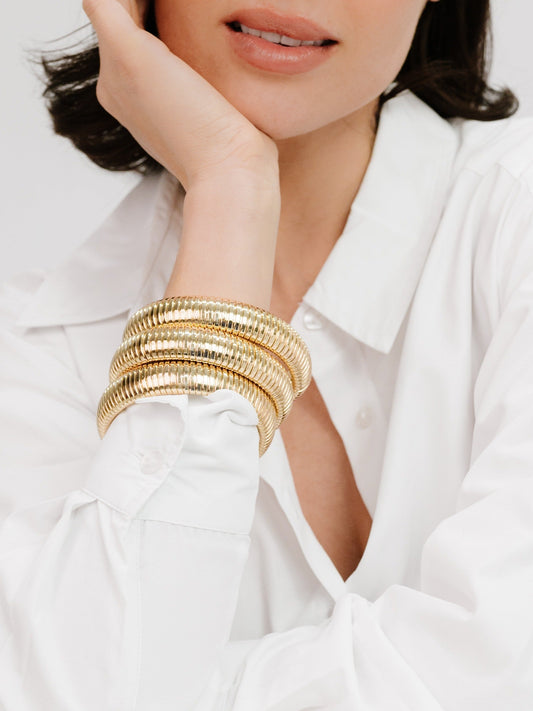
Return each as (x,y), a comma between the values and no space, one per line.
(250,31)
(271,37)
(290,41)
(279,39)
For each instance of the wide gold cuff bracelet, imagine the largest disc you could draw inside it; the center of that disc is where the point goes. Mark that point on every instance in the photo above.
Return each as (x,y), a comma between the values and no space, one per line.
(249,322)
(200,344)
(175,377)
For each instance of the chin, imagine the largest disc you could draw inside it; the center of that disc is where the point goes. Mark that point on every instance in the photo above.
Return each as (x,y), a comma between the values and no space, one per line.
(280,122)
(289,112)
(278,129)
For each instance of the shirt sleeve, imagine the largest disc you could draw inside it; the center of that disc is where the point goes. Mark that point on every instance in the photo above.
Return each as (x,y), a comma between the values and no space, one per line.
(121,594)
(118,590)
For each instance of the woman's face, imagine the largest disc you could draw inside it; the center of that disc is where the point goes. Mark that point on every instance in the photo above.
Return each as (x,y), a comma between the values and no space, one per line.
(374,37)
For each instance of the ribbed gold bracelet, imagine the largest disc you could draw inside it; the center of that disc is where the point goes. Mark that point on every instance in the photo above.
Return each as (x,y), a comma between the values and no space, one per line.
(176,377)
(197,343)
(244,320)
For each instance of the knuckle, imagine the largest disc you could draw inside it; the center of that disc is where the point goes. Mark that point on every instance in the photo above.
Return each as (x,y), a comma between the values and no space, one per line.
(126,64)
(104,96)
(89,7)
(121,69)
(100,91)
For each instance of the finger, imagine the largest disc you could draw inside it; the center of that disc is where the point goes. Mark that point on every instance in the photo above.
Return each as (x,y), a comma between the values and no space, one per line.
(143,6)
(137,9)
(112,18)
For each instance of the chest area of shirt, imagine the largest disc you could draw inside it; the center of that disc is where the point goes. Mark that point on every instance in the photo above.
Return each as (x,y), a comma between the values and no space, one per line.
(324,481)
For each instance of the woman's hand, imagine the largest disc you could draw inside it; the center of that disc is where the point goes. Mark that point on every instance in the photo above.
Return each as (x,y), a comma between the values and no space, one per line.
(222,160)
(176,115)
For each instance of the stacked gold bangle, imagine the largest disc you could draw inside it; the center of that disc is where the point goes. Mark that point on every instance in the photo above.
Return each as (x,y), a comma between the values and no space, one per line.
(196,345)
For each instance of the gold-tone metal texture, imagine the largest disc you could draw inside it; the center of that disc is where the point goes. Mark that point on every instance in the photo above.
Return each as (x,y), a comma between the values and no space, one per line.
(176,377)
(189,342)
(249,322)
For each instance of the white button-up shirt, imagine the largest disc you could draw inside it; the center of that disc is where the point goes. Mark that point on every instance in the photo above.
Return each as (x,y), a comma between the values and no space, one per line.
(168,567)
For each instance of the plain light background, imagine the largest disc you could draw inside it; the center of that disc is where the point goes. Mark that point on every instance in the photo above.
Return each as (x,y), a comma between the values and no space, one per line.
(53,197)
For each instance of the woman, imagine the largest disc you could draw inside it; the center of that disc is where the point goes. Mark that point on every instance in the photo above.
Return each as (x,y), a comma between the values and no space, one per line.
(375,551)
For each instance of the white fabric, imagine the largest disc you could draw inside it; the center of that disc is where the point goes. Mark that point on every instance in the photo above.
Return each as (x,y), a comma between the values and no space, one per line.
(168,567)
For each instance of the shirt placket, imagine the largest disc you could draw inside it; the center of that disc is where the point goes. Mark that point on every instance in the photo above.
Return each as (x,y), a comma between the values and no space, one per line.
(356,414)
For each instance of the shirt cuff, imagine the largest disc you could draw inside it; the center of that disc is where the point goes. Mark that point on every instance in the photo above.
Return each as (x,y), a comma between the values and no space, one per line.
(184,459)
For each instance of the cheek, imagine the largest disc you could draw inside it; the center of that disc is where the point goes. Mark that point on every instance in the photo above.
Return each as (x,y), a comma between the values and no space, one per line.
(389,27)
(177,23)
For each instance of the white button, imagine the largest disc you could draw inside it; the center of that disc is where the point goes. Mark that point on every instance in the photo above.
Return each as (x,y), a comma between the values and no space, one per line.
(363,418)
(312,321)
(152,462)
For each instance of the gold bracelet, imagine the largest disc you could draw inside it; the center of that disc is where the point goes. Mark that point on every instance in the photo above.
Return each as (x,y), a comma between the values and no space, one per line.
(185,342)
(249,322)
(175,377)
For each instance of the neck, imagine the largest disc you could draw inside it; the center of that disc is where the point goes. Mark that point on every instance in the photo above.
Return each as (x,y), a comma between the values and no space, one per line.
(320,175)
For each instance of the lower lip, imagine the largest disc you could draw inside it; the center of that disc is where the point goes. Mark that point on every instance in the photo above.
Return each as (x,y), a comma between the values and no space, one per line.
(271,57)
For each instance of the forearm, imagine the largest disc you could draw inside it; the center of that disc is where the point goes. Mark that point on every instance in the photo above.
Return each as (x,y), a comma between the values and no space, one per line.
(228,241)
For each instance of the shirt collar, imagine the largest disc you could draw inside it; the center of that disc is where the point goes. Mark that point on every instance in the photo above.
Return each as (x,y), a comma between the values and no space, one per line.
(102,277)
(369,278)
(364,287)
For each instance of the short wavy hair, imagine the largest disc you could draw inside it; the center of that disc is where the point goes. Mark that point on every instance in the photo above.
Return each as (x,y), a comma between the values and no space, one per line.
(447,67)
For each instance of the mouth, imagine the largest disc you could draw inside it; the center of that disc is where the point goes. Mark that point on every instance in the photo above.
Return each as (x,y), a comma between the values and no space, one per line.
(284,30)
(284,40)
(279,44)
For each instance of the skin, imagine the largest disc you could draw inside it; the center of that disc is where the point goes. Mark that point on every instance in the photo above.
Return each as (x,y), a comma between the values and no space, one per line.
(324,145)
(295,169)
(270,172)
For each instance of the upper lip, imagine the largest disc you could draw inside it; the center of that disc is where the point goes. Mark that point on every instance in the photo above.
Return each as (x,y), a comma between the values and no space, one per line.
(291,26)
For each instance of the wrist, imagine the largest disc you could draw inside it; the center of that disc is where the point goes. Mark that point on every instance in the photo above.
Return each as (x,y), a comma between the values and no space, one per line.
(258,184)
(234,207)
(255,163)
(228,240)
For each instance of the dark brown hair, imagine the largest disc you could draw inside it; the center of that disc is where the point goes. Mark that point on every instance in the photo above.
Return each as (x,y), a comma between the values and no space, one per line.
(447,67)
